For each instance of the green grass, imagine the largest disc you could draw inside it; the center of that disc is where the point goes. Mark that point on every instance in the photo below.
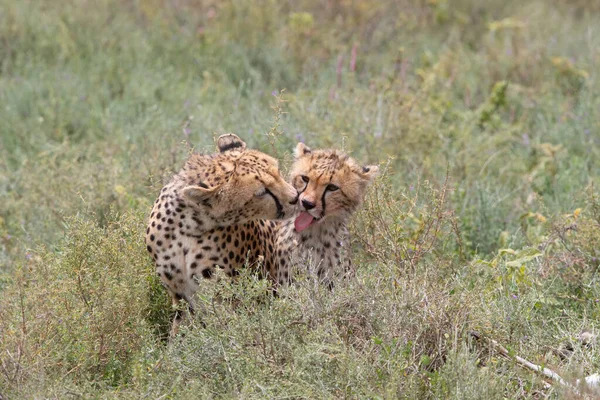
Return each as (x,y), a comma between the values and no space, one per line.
(482,114)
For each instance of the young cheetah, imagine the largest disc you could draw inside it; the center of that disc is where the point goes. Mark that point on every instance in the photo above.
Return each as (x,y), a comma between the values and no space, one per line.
(331,185)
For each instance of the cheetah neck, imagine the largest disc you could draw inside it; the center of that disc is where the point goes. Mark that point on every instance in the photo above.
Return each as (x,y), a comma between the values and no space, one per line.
(193,219)
(331,228)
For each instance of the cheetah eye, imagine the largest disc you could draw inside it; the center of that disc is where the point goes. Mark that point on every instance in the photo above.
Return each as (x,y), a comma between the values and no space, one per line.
(332,188)
(261,192)
(305,178)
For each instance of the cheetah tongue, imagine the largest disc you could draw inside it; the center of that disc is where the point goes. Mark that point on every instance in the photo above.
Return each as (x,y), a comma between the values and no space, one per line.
(303,221)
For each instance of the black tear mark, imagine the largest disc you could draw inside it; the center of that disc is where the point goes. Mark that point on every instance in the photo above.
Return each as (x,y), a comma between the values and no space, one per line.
(280,213)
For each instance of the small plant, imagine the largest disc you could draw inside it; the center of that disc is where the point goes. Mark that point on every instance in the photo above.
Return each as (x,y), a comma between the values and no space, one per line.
(275,133)
(401,232)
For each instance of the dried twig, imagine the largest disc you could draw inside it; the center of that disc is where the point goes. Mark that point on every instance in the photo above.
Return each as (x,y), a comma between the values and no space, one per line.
(547,372)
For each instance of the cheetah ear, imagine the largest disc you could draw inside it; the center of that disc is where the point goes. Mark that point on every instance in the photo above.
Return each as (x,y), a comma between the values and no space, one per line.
(301,149)
(198,194)
(369,172)
(229,142)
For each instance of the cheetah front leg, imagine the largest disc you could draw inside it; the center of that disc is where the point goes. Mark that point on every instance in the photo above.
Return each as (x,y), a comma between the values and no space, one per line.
(180,314)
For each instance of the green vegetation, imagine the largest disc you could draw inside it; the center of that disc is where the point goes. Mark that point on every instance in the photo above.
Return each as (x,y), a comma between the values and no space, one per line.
(483,114)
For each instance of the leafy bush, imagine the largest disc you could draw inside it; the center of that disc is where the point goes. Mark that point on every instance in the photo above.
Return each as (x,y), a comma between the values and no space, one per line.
(83,311)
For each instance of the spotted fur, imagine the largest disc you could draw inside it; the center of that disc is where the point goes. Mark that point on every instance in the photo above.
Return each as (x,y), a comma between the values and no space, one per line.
(211,214)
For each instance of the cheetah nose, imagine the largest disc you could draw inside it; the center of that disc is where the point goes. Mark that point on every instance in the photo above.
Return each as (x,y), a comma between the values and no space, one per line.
(308,204)
(295,200)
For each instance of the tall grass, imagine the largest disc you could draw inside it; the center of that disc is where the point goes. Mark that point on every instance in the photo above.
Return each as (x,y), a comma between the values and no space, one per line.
(484,116)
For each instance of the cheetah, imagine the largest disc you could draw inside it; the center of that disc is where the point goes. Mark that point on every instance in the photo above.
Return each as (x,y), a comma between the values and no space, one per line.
(331,186)
(195,220)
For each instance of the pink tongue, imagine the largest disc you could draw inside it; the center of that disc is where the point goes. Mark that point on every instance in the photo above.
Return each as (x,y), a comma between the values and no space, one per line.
(303,221)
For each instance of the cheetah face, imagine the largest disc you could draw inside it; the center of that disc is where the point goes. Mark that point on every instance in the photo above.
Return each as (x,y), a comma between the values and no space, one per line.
(249,185)
(266,194)
(330,184)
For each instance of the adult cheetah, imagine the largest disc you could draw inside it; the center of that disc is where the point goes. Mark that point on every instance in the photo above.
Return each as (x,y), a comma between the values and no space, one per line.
(196,216)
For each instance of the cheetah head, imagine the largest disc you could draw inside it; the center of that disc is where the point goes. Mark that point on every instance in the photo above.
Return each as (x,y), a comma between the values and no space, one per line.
(248,186)
(330,183)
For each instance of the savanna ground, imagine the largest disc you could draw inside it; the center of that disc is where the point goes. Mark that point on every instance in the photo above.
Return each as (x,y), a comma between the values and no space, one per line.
(483,114)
